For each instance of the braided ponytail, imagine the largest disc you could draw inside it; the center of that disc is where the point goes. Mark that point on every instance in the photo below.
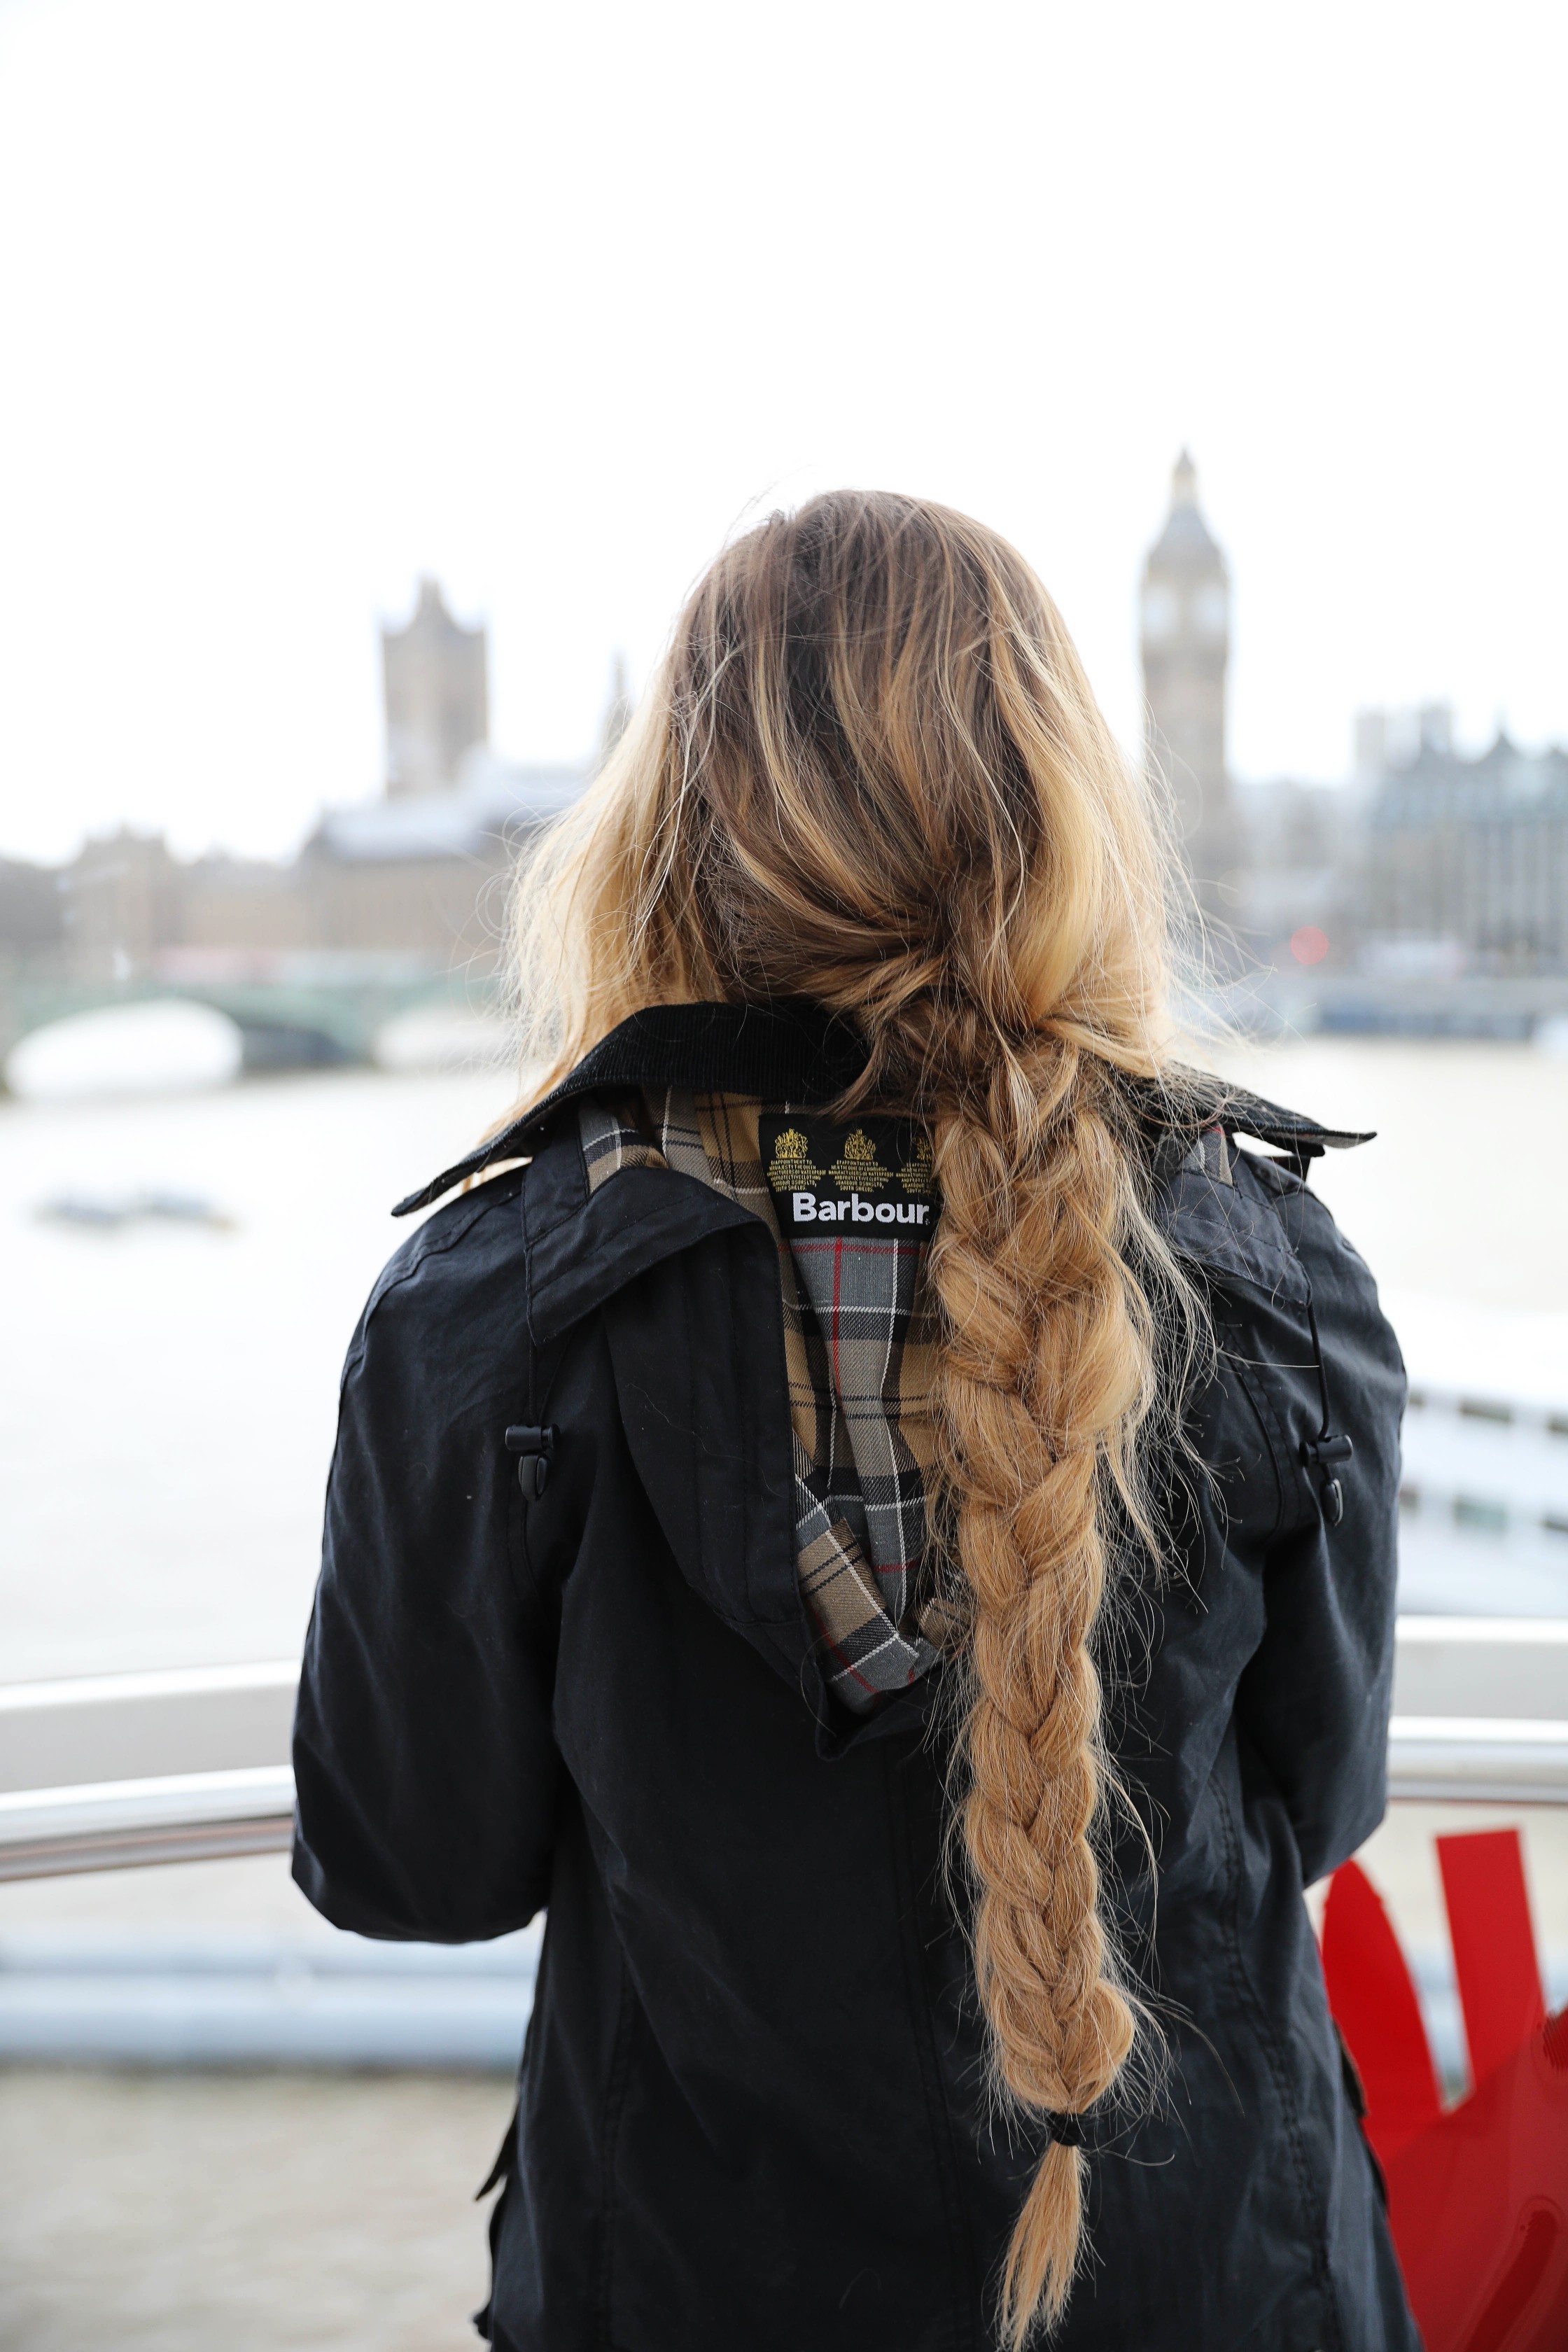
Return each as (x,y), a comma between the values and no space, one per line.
(1044,1366)
(872,772)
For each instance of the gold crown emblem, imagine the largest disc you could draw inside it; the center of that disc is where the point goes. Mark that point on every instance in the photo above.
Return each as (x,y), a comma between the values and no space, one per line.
(918,1170)
(791,1144)
(859,1147)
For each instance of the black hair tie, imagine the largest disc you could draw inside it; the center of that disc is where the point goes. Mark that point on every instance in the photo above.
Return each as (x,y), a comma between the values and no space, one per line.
(1066,2130)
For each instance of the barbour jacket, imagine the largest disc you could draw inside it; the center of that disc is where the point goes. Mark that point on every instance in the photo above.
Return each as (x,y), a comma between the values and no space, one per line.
(753,2106)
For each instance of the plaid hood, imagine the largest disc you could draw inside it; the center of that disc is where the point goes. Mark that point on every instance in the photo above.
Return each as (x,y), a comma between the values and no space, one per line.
(690,1123)
(851,1209)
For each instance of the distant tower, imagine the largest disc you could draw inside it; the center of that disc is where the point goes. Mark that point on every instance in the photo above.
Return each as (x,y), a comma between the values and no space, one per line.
(438,697)
(1186,632)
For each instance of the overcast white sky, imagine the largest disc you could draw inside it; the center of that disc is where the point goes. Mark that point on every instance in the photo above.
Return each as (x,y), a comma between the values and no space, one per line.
(299,300)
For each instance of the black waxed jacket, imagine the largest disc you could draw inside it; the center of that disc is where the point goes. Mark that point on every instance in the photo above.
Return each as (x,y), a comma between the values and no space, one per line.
(753,2106)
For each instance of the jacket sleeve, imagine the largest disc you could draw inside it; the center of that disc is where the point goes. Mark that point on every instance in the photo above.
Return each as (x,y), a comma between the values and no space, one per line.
(425,1767)
(1314,1700)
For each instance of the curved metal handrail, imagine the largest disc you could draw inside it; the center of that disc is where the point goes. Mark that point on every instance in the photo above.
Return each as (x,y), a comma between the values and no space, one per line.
(132,1731)
(172,1817)
(1477,1760)
(204,1816)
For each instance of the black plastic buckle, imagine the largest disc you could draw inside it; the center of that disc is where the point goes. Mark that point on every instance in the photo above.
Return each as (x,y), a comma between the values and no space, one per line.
(1321,1454)
(537,1450)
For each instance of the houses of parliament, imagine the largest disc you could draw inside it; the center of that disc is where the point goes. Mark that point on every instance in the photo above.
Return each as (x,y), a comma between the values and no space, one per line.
(1426,859)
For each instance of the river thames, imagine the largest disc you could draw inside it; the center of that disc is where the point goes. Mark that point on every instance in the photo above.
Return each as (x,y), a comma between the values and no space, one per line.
(169,1388)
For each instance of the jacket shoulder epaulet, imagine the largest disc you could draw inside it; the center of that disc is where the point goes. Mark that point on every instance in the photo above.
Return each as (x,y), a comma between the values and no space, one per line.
(517,1141)
(1176,1113)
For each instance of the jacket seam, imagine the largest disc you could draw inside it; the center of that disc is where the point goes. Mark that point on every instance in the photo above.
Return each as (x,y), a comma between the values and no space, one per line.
(939,2116)
(1235,1265)
(739,1621)
(517,1507)
(571,1153)
(795,1619)
(1272,1431)
(615,2090)
(1247,1997)
(529,1242)
(1288,1463)
(651,1215)
(709,1585)
(383,1290)
(1295,1501)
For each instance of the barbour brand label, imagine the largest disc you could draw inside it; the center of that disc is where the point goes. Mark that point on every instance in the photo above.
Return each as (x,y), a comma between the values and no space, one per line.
(874,1173)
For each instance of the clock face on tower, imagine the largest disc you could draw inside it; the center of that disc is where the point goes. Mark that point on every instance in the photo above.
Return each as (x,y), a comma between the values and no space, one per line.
(1160,615)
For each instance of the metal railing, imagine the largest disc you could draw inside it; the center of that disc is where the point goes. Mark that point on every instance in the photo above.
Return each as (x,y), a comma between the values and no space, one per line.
(108,1770)
(169,1817)
(1478,1760)
(104,1772)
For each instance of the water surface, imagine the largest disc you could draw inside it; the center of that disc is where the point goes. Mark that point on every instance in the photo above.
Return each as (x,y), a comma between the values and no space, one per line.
(167,1392)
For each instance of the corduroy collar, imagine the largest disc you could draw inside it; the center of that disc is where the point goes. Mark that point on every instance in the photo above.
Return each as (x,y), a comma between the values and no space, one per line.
(795,1051)
(792,1051)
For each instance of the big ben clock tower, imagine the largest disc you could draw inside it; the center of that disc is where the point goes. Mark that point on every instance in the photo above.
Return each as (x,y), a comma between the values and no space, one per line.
(1185,628)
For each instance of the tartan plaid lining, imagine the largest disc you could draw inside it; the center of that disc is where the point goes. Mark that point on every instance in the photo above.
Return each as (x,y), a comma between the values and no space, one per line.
(859,1347)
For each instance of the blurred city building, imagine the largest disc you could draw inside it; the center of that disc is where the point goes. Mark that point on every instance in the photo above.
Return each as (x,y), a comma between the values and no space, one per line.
(1293,865)
(388,899)
(435,679)
(1269,863)
(1427,893)
(1465,862)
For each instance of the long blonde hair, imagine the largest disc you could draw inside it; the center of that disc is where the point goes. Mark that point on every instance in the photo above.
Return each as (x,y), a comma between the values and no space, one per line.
(871,771)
